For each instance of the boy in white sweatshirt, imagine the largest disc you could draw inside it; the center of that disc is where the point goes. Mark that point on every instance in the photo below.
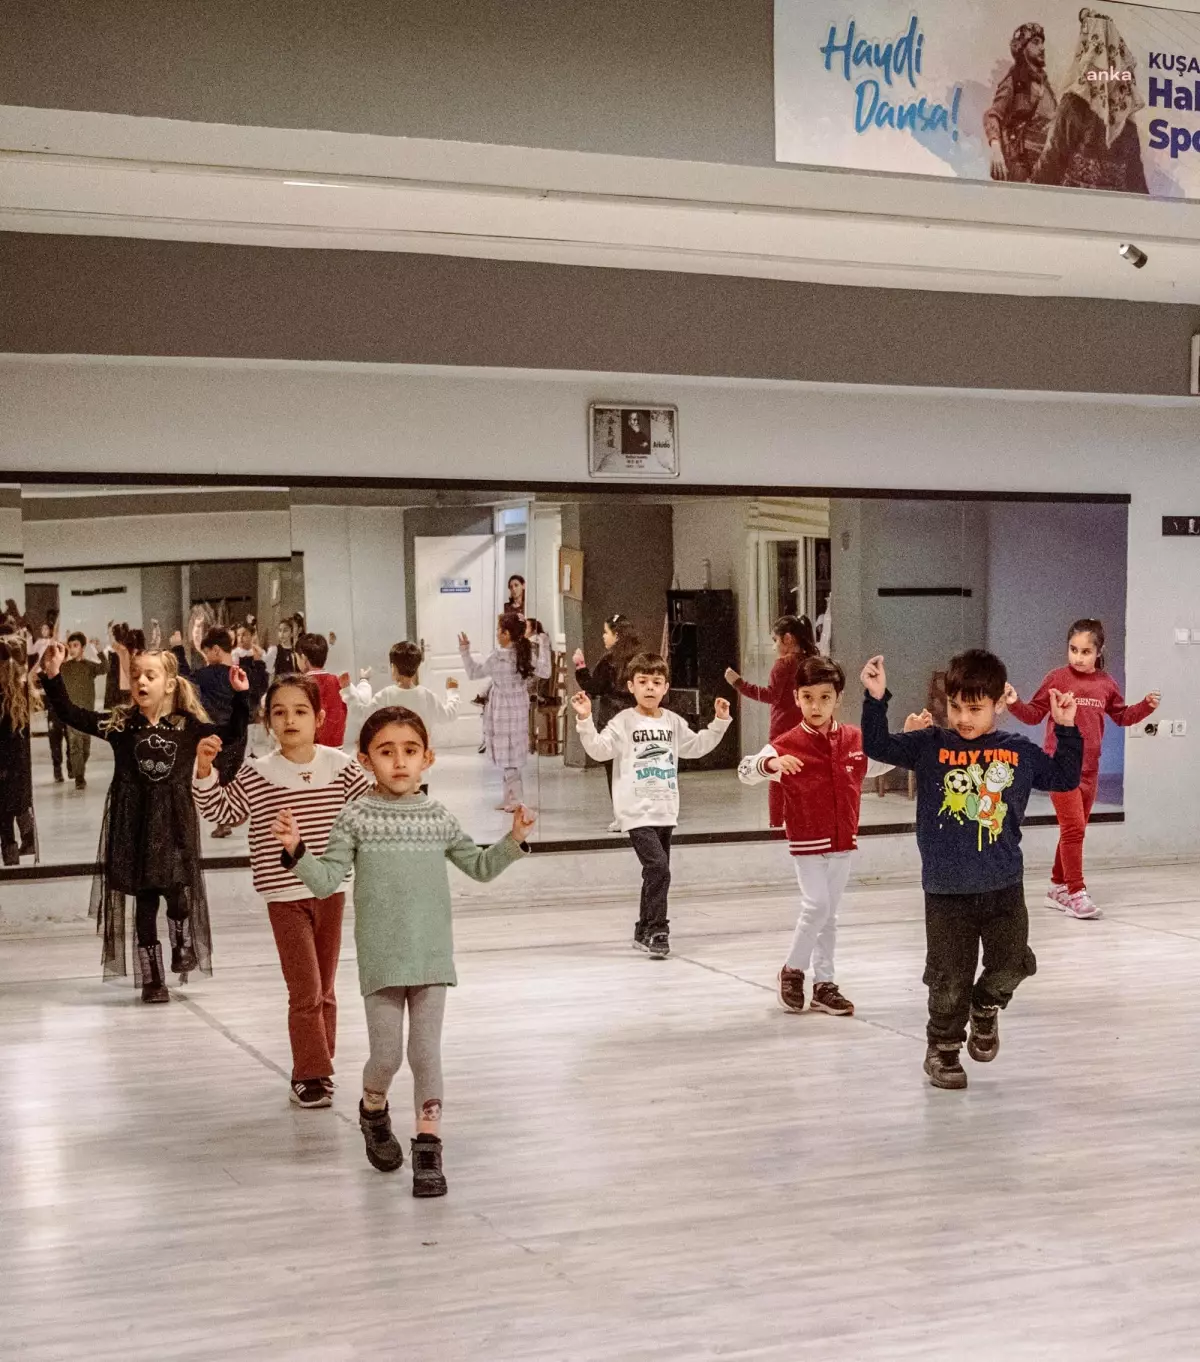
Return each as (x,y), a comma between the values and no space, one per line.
(645,745)
(406,691)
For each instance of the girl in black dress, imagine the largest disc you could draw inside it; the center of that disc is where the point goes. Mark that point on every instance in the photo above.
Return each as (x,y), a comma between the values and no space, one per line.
(17,835)
(149,841)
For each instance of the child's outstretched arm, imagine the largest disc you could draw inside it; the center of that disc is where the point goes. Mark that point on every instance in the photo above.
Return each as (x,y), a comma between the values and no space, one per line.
(693,745)
(894,749)
(767,765)
(471,665)
(223,804)
(1060,772)
(55,691)
(747,688)
(1029,711)
(322,874)
(485,863)
(1124,714)
(598,746)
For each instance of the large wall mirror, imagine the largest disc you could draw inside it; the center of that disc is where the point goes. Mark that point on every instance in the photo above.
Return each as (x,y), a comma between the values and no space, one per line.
(700,576)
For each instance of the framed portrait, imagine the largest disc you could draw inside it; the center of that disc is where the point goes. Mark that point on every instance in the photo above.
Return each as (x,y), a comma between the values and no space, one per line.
(632,440)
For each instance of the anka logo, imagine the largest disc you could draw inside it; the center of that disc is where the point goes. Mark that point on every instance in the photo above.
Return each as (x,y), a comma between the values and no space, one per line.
(1103,77)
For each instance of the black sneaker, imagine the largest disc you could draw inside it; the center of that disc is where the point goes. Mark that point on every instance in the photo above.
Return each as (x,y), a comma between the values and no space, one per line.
(658,944)
(639,936)
(428,1178)
(310,1092)
(80,783)
(983,1044)
(944,1068)
(383,1149)
(58,777)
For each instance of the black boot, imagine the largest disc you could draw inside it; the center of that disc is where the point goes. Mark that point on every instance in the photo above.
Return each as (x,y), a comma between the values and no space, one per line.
(944,1067)
(183,953)
(983,1044)
(428,1178)
(383,1149)
(154,990)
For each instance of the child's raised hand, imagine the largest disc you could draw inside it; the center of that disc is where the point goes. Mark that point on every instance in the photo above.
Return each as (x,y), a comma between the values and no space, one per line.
(52,658)
(731,676)
(915,722)
(463,641)
(523,821)
(721,707)
(874,678)
(1154,699)
(238,679)
(451,683)
(286,831)
(577,659)
(206,751)
(343,679)
(581,703)
(1062,707)
(176,640)
(785,765)
(1010,696)
(364,673)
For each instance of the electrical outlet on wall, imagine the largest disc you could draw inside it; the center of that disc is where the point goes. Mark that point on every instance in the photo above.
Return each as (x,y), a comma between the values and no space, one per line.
(1148,728)
(1179,728)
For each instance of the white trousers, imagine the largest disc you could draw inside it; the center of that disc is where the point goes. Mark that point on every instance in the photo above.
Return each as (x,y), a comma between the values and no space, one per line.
(822,881)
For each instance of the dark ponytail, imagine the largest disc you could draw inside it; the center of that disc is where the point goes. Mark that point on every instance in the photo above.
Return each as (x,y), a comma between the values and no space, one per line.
(800,628)
(514,627)
(1096,630)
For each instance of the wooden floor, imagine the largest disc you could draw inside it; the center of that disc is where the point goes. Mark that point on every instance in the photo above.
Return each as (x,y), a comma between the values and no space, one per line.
(646,1160)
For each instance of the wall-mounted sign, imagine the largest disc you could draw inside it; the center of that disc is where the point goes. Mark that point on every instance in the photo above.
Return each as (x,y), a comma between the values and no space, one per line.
(629,441)
(1036,91)
(1181,524)
(455,586)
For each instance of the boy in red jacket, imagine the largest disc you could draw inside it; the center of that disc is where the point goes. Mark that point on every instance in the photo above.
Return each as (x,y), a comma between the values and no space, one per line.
(311,652)
(820,766)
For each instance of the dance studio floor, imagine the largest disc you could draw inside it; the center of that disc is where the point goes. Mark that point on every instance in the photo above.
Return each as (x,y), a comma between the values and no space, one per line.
(646,1160)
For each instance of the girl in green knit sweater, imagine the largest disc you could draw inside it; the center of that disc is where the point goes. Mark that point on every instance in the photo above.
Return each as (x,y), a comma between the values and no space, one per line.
(397,841)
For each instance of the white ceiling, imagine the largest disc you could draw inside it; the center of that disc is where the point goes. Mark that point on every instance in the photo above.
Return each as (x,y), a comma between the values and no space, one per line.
(116,175)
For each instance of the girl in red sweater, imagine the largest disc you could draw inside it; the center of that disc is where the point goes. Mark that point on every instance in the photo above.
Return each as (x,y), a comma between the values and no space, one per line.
(794,641)
(1096,695)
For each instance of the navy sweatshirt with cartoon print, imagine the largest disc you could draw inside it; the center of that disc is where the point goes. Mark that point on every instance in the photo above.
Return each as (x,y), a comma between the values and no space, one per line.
(971,796)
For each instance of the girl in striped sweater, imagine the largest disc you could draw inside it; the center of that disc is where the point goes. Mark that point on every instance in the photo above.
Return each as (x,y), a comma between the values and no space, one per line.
(316,783)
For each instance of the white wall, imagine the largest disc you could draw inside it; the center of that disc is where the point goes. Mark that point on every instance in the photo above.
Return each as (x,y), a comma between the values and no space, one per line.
(278,422)
(199,537)
(90,614)
(353,582)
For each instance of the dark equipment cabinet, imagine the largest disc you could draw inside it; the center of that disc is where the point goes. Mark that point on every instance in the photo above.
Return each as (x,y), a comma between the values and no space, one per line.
(702,641)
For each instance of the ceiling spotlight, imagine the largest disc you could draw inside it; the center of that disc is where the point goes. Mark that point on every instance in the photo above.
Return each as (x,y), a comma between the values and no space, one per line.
(1134,254)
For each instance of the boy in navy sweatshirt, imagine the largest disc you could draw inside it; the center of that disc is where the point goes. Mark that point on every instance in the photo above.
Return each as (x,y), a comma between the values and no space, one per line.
(973,783)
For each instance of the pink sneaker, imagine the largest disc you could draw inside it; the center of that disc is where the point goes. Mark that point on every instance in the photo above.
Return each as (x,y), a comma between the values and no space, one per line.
(1057,896)
(1080,905)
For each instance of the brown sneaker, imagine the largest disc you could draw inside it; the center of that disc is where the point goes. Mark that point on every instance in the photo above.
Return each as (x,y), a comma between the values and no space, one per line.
(828,998)
(791,989)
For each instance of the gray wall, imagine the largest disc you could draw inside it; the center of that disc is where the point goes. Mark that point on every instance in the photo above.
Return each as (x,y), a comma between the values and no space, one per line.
(1049,565)
(162,597)
(907,544)
(121,296)
(678,78)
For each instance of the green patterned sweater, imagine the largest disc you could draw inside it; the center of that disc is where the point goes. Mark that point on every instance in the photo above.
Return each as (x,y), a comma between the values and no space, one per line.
(398,849)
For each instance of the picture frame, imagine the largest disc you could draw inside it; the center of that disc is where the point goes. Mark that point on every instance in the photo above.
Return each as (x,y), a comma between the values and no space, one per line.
(633,440)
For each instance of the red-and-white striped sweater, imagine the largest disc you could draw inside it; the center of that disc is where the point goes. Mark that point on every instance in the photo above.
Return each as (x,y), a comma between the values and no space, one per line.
(316,793)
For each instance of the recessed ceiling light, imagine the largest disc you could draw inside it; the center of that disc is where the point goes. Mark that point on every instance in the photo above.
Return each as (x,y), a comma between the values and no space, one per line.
(318,184)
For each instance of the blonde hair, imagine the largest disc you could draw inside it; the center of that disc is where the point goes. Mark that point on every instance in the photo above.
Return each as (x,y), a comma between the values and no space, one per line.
(186,700)
(15,703)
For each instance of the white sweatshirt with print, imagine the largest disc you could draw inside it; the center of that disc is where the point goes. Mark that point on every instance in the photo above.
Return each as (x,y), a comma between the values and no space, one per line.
(645,753)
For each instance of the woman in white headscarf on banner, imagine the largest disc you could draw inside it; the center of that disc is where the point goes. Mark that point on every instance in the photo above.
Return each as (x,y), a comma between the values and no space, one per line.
(1017,125)
(1094,143)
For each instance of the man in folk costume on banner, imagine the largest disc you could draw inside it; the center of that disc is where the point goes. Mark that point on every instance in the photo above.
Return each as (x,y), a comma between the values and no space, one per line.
(1018,123)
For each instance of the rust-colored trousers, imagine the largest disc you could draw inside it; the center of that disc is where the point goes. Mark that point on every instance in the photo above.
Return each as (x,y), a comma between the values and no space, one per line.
(308,936)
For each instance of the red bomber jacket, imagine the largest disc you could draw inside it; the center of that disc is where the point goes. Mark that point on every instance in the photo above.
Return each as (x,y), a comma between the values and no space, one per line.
(821,802)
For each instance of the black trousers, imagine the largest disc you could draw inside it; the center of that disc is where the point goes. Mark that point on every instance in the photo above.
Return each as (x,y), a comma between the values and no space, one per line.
(653,847)
(57,734)
(147,913)
(956,926)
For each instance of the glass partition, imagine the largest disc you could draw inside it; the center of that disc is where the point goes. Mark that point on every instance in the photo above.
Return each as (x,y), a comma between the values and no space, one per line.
(699,578)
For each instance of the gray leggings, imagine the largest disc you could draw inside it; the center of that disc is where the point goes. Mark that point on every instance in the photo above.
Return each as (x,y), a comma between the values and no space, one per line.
(385,1031)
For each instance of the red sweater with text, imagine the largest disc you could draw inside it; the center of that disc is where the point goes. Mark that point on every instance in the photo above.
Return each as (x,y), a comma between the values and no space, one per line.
(1097,695)
(821,803)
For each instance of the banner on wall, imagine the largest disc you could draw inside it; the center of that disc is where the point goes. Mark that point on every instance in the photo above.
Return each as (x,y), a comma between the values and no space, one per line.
(1028,91)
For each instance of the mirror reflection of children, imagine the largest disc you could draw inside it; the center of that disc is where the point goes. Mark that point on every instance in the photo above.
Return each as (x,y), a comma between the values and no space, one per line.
(645,745)
(794,639)
(406,691)
(819,767)
(316,783)
(17,828)
(510,666)
(1096,695)
(973,785)
(149,840)
(397,841)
